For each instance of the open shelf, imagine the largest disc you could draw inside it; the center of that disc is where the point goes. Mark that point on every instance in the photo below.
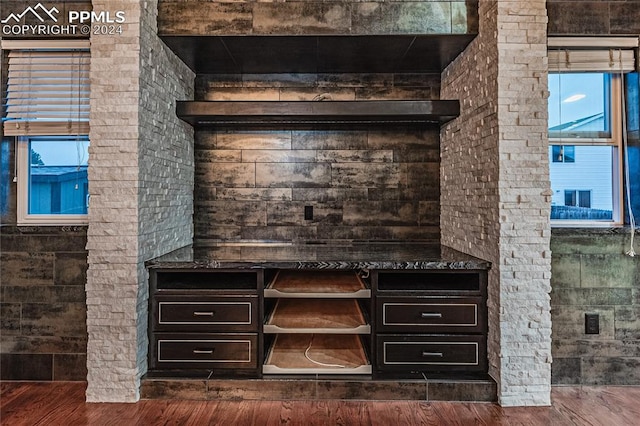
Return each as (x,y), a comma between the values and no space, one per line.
(316,354)
(206,280)
(336,316)
(268,113)
(399,281)
(306,284)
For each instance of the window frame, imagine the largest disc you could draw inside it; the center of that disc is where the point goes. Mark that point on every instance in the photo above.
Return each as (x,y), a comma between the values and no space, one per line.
(614,141)
(24,218)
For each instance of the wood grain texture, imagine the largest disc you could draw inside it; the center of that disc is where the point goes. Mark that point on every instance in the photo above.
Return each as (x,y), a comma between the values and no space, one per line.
(311,282)
(62,403)
(334,350)
(317,314)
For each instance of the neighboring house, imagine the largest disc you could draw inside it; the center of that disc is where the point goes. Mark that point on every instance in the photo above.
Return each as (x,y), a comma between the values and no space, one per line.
(580,175)
(58,189)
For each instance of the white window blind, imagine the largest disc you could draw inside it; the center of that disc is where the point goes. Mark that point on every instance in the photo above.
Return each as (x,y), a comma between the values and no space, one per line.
(592,60)
(47,92)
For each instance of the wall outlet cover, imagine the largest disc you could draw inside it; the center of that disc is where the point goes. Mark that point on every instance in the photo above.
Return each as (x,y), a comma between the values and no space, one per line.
(591,323)
(308,212)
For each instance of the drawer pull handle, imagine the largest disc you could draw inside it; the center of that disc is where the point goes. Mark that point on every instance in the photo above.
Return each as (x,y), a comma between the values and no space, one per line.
(426,354)
(203,314)
(431,315)
(203,351)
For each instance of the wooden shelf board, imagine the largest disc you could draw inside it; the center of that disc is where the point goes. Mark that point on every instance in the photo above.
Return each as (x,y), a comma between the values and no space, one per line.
(274,329)
(334,354)
(337,315)
(333,284)
(270,113)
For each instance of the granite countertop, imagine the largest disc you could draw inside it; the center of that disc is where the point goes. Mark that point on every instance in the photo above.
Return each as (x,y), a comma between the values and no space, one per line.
(325,255)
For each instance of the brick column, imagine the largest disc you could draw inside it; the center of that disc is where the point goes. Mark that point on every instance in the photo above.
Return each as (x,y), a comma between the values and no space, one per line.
(141,187)
(495,190)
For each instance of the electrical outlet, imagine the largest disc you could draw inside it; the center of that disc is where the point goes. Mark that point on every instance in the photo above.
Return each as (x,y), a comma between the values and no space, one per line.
(591,324)
(308,212)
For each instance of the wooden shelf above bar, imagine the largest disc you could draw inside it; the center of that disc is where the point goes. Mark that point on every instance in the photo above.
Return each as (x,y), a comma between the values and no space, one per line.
(304,113)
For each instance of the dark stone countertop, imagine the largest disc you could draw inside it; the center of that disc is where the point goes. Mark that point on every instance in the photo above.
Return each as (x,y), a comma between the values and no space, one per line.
(372,255)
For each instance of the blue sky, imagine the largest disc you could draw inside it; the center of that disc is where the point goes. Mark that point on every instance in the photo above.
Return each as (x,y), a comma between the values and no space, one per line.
(575,96)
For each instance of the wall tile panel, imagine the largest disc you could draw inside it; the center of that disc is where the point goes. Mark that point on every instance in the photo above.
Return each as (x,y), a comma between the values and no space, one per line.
(606,284)
(26,367)
(292,175)
(333,170)
(24,268)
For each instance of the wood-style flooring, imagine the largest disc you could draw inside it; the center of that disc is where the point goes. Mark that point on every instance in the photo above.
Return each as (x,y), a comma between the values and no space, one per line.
(62,403)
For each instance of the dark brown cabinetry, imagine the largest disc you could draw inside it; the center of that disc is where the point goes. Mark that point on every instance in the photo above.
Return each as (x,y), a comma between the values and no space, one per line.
(207,350)
(430,321)
(205,322)
(214,322)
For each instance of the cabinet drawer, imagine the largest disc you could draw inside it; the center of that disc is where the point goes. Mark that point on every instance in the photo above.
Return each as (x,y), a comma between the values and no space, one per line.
(430,315)
(431,353)
(238,314)
(197,351)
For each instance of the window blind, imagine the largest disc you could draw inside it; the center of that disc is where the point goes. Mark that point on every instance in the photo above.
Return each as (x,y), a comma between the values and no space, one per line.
(47,92)
(600,60)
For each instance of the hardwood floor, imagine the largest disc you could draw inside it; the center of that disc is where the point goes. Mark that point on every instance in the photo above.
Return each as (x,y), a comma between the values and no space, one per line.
(62,403)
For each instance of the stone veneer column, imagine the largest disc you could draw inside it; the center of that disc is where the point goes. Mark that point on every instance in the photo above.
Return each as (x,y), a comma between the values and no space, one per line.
(141,186)
(495,190)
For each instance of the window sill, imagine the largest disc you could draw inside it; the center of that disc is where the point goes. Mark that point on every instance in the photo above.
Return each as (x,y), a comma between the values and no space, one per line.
(47,220)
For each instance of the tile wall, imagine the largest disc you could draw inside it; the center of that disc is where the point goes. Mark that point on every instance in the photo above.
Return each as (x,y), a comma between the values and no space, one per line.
(591,274)
(363,184)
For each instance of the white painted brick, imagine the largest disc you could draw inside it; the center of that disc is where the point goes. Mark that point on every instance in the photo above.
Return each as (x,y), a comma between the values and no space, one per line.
(132,119)
(501,82)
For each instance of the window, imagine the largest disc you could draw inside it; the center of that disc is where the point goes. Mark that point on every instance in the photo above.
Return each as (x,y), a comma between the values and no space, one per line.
(563,154)
(46,110)
(580,105)
(54,185)
(575,198)
(585,129)
(584,109)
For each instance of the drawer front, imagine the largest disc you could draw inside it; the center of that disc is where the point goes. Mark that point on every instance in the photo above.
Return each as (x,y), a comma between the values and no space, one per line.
(431,353)
(206,351)
(237,314)
(465,315)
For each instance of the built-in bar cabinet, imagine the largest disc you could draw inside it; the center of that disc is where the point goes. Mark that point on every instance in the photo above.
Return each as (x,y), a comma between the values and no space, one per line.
(380,323)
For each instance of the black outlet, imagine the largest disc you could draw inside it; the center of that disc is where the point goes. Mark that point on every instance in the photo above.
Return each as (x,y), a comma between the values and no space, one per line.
(308,212)
(591,324)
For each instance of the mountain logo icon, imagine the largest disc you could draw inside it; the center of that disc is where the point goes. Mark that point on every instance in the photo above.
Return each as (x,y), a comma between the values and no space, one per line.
(34,11)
